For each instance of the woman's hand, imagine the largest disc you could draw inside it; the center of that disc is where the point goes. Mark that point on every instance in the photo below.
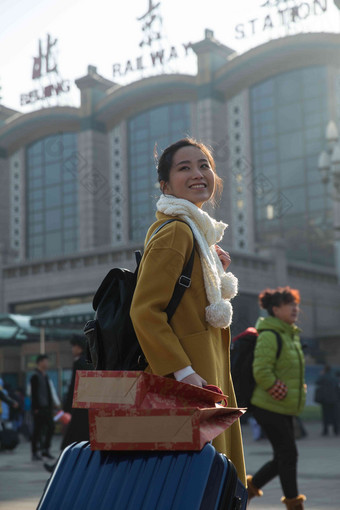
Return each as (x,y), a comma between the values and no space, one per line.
(195,380)
(223,256)
(278,391)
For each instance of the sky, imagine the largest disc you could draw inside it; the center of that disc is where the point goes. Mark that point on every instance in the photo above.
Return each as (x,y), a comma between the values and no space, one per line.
(107,32)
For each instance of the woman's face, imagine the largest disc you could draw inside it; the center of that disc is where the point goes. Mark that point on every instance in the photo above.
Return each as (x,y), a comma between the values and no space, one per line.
(287,312)
(191,176)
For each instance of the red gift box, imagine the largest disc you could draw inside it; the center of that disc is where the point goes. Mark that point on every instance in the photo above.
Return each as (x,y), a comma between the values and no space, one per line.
(140,411)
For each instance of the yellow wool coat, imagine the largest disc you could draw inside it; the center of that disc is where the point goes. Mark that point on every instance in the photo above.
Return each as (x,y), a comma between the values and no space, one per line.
(188,339)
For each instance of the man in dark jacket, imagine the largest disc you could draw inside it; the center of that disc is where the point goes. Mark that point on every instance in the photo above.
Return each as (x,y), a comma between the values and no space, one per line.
(78,428)
(42,409)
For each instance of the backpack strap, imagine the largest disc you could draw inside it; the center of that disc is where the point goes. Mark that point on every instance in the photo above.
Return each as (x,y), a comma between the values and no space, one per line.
(182,284)
(184,280)
(278,339)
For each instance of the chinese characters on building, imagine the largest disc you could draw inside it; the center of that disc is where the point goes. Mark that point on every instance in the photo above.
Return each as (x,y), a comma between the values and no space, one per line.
(151,26)
(44,65)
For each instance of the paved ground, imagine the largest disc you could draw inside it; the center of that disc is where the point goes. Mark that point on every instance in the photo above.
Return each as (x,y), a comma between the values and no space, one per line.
(22,481)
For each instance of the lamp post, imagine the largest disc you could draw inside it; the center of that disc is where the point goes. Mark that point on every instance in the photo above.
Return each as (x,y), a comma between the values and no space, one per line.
(329,167)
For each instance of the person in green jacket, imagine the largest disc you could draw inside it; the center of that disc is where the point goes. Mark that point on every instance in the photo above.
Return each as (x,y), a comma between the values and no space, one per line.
(280,391)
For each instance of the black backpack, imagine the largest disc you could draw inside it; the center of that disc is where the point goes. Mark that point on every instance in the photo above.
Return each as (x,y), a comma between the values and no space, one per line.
(241,358)
(112,343)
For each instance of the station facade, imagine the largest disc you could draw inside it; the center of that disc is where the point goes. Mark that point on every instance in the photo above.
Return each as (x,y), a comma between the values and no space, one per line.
(79,185)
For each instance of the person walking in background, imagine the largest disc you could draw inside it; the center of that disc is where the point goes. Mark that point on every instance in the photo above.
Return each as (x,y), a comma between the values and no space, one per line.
(17,413)
(42,409)
(193,346)
(5,405)
(327,394)
(337,375)
(7,400)
(280,391)
(78,427)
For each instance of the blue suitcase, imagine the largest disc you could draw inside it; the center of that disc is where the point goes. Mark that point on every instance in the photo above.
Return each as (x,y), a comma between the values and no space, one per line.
(111,480)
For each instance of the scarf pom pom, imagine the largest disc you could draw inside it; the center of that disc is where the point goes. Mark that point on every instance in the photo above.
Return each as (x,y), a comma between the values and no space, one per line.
(229,285)
(219,314)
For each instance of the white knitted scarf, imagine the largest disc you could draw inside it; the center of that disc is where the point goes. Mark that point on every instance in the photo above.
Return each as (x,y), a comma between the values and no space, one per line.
(220,287)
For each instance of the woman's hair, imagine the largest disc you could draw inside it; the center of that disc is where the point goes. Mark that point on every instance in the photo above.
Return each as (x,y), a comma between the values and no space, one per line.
(269,298)
(164,163)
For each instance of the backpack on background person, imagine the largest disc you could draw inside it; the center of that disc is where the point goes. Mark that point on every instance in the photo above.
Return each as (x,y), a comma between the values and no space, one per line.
(241,358)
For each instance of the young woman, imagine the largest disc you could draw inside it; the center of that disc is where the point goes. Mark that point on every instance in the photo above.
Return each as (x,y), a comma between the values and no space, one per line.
(280,391)
(194,346)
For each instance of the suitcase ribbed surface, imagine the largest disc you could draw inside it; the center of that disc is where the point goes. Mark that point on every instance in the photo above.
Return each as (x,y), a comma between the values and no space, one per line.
(98,480)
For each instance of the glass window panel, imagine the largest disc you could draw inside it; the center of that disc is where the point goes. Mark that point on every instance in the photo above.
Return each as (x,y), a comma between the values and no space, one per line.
(37,216)
(69,210)
(314,133)
(256,105)
(69,140)
(158,115)
(53,243)
(297,197)
(69,186)
(141,134)
(47,181)
(289,118)
(141,146)
(69,152)
(53,197)
(266,88)
(292,172)
(311,106)
(69,222)
(53,219)
(312,90)
(299,112)
(35,183)
(267,130)
(268,144)
(36,251)
(316,190)
(291,145)
(313,119)
(37,205)
(36,171)
(288,88)
(266,102)
(269,170)
(37,240)
(36,149)
(69,234)
(269,157)
(318,203)
(52,174)
(314,147)
(53,149)
(69,246)
(36,194)
(69,198)
(37,228)
(68,174)
(267,117)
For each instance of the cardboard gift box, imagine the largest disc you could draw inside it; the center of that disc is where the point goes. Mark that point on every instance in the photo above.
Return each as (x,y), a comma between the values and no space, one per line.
(158,429)
(140,411)
(125,389)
